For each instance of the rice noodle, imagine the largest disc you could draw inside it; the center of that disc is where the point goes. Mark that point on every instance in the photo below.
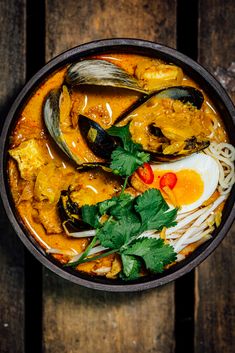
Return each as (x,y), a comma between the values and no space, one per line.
(199,228)
(61,252)
(93,251)
(224,155)
(84,234)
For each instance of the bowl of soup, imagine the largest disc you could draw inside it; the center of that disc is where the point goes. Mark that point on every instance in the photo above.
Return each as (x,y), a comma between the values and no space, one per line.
(117,163)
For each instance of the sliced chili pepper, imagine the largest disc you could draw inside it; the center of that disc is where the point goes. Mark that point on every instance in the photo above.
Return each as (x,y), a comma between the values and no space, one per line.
(168,179)
(145,173)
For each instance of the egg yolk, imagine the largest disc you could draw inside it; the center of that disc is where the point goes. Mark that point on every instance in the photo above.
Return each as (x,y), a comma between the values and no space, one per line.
(188,188)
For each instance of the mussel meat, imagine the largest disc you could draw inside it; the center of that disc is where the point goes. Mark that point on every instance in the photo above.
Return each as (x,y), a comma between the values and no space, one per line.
(97,139)
(101,73)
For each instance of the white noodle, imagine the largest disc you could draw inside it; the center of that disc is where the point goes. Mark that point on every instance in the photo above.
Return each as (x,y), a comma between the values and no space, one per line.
(61,252)
(93,251)
(187,236)
(84,234)
(102,270)
(224,155)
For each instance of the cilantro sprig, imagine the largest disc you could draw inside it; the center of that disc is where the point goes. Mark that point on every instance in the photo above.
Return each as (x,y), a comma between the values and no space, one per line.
(121,220)
(127,158)
(127,219)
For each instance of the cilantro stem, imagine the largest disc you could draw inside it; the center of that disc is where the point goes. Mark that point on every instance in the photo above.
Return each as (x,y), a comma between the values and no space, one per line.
(89,247)
(124,185)
(97,257)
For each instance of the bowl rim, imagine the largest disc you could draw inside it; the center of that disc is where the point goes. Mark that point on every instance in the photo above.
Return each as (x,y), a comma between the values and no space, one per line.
(84,50)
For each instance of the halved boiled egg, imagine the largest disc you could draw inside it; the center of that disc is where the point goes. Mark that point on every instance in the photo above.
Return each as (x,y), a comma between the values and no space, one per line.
(187,183)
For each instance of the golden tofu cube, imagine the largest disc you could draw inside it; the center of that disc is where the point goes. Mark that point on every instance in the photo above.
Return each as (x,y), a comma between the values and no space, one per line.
(30,157)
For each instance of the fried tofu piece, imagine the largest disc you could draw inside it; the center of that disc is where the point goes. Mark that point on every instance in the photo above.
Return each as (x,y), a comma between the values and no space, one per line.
(30,157)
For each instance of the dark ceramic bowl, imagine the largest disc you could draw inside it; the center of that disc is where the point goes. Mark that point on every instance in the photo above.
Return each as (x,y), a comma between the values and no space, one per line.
(205,80)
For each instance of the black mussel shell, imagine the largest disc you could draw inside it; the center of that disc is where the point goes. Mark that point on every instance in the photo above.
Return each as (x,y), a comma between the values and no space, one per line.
(70,213)
(185,94)
(100,73)
(192,145)
(97,139)
(51,115)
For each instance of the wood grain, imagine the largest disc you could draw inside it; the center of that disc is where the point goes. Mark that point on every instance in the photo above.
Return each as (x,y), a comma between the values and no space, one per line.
(215,300)
(12,73)
(73,22)
(77,319)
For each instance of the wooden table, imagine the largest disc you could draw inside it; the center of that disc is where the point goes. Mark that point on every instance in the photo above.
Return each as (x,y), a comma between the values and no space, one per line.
(40,312)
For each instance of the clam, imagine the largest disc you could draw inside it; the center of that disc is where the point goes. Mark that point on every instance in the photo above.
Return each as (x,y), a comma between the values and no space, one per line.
(52,117)
(101,73)
(97,139)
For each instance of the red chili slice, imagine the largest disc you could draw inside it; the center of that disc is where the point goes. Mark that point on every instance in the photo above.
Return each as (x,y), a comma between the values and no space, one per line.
(168,179)
(145,173)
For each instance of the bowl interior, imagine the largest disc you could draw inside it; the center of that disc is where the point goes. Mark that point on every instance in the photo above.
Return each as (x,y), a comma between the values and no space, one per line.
(210,86)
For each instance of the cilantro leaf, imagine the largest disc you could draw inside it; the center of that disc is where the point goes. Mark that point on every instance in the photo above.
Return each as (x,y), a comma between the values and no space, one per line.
(131,267)
(115,233)
(125,162)
(123,133)
(154,211)
(126,159)
(155,253)
(106,205)
(90,215)
(117,206)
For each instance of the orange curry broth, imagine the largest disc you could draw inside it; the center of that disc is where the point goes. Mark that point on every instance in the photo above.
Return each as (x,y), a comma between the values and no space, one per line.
(102,104)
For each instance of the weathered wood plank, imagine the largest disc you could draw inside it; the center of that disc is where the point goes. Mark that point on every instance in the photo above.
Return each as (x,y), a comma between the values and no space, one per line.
(75,318)
(92,321)
(12,72)
(214,312)
(73,22)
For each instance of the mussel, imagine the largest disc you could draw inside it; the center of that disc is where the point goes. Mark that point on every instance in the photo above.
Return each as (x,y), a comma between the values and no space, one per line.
(160,137)
(97,139)
(70,213)
(185,94)
(52,117)
(101,73)
(168,133)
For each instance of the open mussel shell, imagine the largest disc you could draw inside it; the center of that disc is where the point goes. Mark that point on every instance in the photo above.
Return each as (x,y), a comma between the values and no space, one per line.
(51,114)
(100,73)
(70,213)
(147,105)
(191,146)
(185,94)
(97,139)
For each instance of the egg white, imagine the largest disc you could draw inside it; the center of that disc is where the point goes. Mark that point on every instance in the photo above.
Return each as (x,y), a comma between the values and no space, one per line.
(205,166)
